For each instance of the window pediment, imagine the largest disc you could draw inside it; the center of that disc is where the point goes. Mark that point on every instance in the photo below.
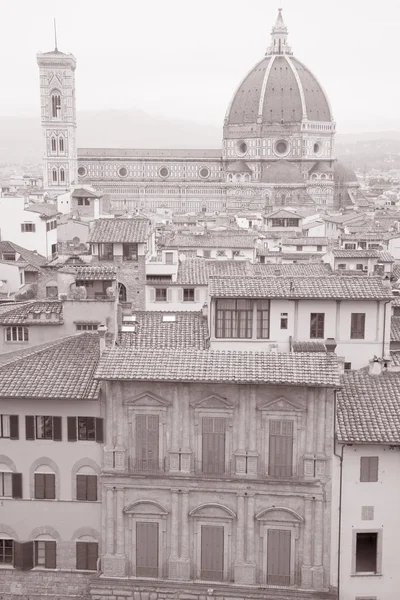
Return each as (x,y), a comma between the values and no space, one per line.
(213,401)
(148,399)
(145,507)
(279,515)
(281,404)
(212,511)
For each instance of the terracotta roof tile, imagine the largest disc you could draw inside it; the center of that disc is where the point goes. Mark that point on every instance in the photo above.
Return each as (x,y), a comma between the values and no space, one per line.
(96,272)
(340,288)
(32,258)
(213,240)
(196,271)
(21,314)
(281,213)
(292,270)
(63,370)
(315,370)
(344,253)
(128,231)
(303,256)
(45,210)
(308,347)
(308,241)
(395,329)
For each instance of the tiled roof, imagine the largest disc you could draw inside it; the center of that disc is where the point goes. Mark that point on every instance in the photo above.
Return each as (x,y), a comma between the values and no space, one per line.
(96,273)
(83,193)
(307,241)
(395,356)
(31,258)
(148,153)
(281,213)
(20,315)
(368,408)
(239,166)
(196,271)
(395,329)
(63,370)
(292,270)
(211,240)
(396,300)
(385,256)
(363,235)
(45,210)
(303,256)
(189,330)
(308,347)
(6,307)
(343,253)
(120,230)
(314,370)
(339,288)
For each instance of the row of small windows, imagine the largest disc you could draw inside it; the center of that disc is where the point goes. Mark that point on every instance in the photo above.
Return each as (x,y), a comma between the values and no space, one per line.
(50,428)
(44,485)
(43,553)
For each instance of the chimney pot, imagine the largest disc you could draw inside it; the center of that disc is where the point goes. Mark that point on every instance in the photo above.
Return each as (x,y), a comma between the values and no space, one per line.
(375,366)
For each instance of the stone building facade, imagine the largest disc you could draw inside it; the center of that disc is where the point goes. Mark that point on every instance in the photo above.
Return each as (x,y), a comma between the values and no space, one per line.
(211,479)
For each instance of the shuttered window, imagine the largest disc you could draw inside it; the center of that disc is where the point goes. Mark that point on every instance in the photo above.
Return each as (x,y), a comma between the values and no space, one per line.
(87,554)
(278,557)
(9,427)
(43,428)
(234,319)
(23,555)
(317,325)
(6,552)
(213,445)
(147,549)
(280,448)
(86,487)
(45,554)
(357,328)
(147,443)
(263,319)
(11,485)
(85,429)
(45,486)
(212,553)
(369,467)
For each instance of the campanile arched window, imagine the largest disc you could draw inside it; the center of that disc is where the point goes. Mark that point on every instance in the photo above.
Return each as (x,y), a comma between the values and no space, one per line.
(56,105)
(53,144)
(54,175)
(61,144)
(62,175)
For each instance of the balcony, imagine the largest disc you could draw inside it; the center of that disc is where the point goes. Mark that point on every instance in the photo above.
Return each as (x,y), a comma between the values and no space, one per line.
(213,469)
(146,466)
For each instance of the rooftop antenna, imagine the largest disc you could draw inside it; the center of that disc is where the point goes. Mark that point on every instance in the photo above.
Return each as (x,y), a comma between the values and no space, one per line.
(55,36)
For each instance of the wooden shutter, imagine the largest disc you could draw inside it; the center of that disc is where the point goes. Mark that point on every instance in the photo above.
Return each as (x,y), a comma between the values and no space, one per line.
(23,555)
(197,294)
(99,431)
(92,549)
(14,427)
(29,428)
(280,448)
(91,487)
(169,294)
(57,432)
(16,485)
(81,487)
(278,557)
(147,442)
(50,486)
(50,555)
(71,429)
(369,468)
(152,292)
(39,486)
(146,549)
(180,294)
(212,553)
(81,555)
(213,445)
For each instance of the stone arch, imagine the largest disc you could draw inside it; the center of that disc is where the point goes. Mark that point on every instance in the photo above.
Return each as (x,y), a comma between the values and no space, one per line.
(283,514)
(44,530)
(9,531)
(212,505)
(122,295)
(7,461)
(84,462)
(86,531)
(155,507)
(46,461)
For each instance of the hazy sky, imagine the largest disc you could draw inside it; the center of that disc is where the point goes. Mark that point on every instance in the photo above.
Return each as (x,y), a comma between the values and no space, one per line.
(184,58)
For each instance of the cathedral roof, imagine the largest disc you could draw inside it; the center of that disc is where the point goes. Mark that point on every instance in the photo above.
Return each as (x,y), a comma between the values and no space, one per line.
(279,89)
(344,173)
(239,166)
(281,172)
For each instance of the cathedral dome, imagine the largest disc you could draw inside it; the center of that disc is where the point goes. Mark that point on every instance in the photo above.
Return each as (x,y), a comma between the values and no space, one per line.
(279,89)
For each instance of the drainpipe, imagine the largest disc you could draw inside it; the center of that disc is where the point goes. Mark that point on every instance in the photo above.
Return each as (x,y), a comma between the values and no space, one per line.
(340,457)
(384,327)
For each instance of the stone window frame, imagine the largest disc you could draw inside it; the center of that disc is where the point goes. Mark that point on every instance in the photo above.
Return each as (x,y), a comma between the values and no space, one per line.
(378,572)
(226,413)
(44,461)
(85,462)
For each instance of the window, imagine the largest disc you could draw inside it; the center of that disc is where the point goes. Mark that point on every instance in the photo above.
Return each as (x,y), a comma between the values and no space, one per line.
(234,319)
(207,253)
(236,253)
(130,251)
(53,250)
(45,554)
(161,294)
(284,320)
(319,248)
(9,427)
(85,429)
(280,462)
(341,266)
(169,258)
(86,327)
(212,553)
(396,311)
(299,248)
(147,429)
(350,246)
(87,554)
(43,428)
(80,201)
(221,253)
(369,468)
(51,291)
(357,328)
(366,552)
(62,175)
(317,325)
(17,334)
(359,267)
(28,227)
(54,175)
(147,544)
(263,319)
(362,245)
(53,145)
(106,251)
(45,486)
(86,487)
(56,106)
(9,256)
(278,556)
(188,294)
(61,144)
(213,445)
(6,552)
(347,366)
(6,485)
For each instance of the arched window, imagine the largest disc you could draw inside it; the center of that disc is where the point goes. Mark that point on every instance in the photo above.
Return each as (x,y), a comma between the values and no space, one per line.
(62,175)
(86,484)
(61,144)
(45,551)
(56,105)
(54,175)
(44,483)
(53,144)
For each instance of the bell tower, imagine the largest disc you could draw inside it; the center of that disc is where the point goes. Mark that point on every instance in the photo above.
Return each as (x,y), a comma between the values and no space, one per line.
(58,119)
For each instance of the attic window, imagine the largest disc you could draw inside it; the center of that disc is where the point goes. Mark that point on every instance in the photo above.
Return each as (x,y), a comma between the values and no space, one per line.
(129,319)
(169,318)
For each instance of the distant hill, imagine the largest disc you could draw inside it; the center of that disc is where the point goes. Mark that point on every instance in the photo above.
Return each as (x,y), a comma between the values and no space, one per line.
(21,141)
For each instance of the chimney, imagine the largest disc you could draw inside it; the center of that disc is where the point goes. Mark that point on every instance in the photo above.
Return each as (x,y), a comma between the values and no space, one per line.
(102,330)
(375,366)
(340,360)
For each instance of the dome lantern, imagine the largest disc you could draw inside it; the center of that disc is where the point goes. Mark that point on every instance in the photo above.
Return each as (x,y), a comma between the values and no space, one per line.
(279,35)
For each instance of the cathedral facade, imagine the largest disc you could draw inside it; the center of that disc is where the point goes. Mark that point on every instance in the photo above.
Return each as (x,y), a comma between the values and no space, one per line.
(278,146)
